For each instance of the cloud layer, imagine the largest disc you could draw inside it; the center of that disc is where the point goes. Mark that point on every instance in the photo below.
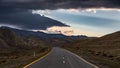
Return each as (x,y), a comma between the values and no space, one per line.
(56,4)
(27,20)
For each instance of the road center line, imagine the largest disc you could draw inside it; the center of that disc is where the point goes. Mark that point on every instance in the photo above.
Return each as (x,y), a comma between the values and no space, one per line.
(63,57)
(63,62)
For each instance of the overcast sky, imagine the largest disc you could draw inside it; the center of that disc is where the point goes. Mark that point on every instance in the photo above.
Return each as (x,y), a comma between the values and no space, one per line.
(85,17)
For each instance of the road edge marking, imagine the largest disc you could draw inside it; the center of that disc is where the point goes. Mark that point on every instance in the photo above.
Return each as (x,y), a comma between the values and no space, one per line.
(36,60)
(82,59)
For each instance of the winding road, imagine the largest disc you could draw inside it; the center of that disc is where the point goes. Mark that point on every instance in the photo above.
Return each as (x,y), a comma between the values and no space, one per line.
(61,58)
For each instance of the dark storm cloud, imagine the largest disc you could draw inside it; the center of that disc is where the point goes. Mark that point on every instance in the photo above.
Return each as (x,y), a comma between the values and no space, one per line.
(18,13)
(54,4)
(26,20)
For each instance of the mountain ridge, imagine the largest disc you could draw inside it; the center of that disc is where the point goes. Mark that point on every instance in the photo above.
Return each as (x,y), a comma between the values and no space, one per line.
(39,34)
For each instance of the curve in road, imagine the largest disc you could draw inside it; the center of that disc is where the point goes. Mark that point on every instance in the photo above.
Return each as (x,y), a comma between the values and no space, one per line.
(61,58)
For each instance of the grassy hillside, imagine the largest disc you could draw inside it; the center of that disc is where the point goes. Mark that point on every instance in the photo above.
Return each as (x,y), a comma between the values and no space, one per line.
(9,38)
(16,51)
(103,51)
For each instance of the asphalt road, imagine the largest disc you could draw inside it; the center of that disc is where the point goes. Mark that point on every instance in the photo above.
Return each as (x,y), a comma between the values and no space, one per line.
(60,58)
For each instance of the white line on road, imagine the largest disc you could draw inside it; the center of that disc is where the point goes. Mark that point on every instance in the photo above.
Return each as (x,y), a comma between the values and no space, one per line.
(82,59)
(63,57)
(63,62)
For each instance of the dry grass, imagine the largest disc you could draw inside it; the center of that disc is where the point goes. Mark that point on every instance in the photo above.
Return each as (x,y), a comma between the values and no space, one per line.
(17,58)
(103,51)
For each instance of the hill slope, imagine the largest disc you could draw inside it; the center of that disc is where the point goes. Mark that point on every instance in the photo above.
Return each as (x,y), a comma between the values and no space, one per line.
(112,39)
(9,38)
(16,51)
(103,51)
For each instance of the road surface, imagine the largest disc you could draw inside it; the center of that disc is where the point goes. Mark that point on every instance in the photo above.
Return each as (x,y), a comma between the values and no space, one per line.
(60,58)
